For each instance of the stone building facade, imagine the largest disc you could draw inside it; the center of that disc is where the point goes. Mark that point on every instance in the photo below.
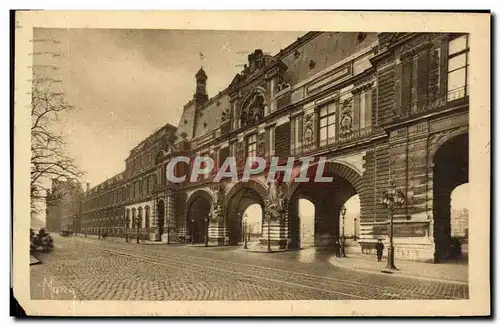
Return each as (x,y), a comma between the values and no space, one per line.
(63,202)
(378,106)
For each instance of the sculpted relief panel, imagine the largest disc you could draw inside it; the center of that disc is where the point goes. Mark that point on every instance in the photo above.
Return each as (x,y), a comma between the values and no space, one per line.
(309,131)
(346,118)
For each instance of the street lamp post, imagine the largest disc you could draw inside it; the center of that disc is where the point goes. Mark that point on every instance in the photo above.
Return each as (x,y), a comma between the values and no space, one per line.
(391,199)
(269,233)
(192,231)
(342,240)
(355,227)
(206,231)
(245,233)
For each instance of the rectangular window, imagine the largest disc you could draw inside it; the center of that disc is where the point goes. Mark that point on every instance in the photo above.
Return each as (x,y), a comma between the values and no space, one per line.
(365,109)
(458,68)
(252,146)
(327,124)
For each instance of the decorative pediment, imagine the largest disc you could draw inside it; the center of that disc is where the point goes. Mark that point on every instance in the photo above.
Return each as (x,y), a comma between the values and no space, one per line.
(236,80)
(257,61)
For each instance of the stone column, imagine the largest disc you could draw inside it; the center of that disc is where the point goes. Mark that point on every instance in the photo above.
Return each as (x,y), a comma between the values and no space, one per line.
(217,232)
(275,225)
(180,222)
(157,236)
(169,234)
(217,228)
(326,227)
(278,233)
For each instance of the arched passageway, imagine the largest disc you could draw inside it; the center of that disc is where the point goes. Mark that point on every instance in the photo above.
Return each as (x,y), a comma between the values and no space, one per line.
(198,209)
(253,218)
(242,197)
(314,208)
(350,221)
(451,169)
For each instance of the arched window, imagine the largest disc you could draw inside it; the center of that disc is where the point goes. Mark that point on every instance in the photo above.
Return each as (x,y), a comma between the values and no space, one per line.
(146,217)
(252,109)
(139,218)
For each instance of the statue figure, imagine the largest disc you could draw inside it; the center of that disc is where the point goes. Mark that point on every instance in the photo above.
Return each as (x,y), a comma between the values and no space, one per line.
(273,192)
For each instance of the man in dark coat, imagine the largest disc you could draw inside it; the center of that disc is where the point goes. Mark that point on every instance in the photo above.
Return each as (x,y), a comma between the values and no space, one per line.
(337,248)
(380,249)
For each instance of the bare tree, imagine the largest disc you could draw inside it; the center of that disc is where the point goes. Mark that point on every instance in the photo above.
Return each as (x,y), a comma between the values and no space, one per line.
(49,158)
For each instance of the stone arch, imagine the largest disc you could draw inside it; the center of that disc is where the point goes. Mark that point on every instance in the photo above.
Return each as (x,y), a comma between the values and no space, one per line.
(450,168)
(327,198)
(195,195)
(238,199)
(339,169)
(441,138)
(252,184)
(197,211)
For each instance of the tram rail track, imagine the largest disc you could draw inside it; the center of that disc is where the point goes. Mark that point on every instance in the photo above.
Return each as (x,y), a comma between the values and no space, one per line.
(267,274)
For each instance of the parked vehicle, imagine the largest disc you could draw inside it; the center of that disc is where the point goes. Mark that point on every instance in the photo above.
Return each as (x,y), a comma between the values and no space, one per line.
(65,233)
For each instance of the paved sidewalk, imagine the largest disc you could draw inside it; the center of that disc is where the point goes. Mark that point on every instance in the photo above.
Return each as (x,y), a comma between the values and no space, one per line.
(455,272)
(121,239)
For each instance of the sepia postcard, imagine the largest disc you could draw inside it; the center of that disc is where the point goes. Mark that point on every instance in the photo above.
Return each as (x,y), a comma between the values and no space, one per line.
(252,163)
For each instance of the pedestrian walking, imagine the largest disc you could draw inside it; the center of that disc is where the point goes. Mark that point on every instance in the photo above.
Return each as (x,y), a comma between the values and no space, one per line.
(380,249)
(337,248)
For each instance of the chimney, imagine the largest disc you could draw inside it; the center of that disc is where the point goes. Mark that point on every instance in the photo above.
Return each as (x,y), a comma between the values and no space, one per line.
(88,186)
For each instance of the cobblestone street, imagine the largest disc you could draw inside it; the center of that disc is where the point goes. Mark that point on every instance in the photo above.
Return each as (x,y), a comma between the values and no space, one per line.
(91,269)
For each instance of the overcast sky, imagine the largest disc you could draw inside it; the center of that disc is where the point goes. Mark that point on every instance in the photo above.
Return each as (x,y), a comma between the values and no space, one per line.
(126,83)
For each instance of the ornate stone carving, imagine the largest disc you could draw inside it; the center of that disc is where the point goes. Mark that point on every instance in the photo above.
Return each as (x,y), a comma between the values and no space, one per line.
(309,130)
(276,204)
(346,124)
(253,108)
(346,118)
(256,62)
(226,115)
(282,86)
(434,75)
(240,154)
(216,213)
